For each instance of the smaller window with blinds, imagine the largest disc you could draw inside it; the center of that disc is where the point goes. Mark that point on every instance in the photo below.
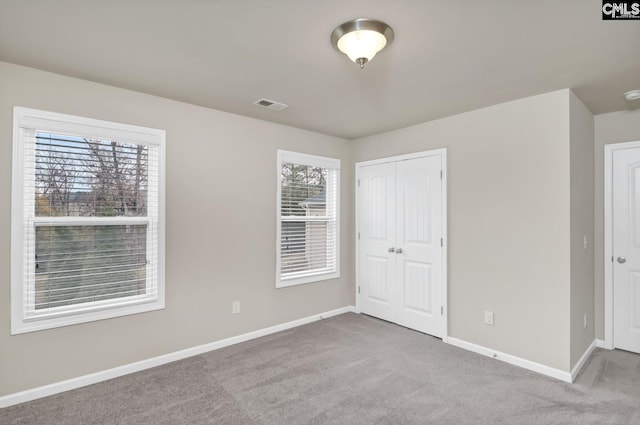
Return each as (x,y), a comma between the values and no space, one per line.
(307,244)
(87,211)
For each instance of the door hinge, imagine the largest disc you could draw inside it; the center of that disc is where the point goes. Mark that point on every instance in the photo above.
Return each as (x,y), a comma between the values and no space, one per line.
(441,242)
(358,235)
(440,174)
(358,289)
(358,182)
(612,259)
(441,310)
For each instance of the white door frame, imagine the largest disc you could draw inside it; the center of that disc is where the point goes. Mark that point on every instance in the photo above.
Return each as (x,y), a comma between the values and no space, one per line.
(442,152)
(608,237)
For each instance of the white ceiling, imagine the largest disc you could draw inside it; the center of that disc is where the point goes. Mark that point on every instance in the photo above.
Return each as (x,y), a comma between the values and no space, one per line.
(447,57)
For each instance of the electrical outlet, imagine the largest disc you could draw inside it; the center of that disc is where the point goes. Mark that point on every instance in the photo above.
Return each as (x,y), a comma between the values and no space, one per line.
(585,320)
(488,318)
(235,307)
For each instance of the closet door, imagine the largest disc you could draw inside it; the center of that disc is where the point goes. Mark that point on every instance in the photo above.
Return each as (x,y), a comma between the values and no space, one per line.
(401,256)
(377,221)
(418,245)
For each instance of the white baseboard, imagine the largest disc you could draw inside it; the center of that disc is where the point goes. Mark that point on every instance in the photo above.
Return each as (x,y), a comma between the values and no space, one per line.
(514,360)
(583,360)
(600,344)
(93,378)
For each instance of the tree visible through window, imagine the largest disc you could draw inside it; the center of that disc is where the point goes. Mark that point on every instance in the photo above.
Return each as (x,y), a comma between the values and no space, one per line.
(89,178)
(88,220)
(308,218)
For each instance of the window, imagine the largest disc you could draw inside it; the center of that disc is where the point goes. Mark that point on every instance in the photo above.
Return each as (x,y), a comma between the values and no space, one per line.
(307,242)
(87,238)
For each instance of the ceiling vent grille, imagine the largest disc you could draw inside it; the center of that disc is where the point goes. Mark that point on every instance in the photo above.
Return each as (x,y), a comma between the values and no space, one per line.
(270,104)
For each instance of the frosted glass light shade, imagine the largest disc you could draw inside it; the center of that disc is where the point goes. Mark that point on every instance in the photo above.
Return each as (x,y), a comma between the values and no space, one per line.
(361,39)
(362,44)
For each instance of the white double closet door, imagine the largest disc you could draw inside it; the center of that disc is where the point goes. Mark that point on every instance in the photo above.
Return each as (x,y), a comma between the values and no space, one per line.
(400,246)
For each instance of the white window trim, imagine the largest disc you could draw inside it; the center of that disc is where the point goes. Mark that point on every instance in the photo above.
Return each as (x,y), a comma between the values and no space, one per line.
(26,120)
(314,161)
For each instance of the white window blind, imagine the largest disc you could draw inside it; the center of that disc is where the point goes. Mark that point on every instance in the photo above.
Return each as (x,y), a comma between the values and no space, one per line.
(308,225)
(88,220)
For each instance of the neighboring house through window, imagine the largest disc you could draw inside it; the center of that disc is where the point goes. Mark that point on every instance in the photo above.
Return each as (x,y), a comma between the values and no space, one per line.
(87,220)
(308,227)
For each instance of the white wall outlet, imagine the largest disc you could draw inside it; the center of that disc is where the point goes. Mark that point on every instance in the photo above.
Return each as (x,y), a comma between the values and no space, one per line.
(585,320)
(585,243)
(488,318)
(235,307)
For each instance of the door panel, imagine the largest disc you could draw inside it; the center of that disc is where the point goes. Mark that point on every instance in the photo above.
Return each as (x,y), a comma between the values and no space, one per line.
(378,288)
(626,243)
(418,287)
(419,224)
(378,190)
(377,235)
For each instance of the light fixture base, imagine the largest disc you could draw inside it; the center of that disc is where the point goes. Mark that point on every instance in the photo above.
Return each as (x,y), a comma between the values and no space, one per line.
(632,95)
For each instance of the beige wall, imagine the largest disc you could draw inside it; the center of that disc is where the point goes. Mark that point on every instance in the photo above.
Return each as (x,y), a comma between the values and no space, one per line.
(623,126)
(516,197)
(582,264)
(220,233)
(509,213)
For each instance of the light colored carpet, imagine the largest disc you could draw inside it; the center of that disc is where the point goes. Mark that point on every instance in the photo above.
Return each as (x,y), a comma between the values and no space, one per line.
(350,369)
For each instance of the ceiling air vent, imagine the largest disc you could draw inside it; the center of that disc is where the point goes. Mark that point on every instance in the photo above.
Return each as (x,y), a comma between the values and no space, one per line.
(270,104)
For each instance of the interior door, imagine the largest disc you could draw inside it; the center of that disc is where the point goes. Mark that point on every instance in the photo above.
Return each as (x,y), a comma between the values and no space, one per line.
(376,228)
(418,244)
(626,249)
(400,259)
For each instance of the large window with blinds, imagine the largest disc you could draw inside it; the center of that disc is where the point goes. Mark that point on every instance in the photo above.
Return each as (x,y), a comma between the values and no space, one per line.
(307,243)
(87,220)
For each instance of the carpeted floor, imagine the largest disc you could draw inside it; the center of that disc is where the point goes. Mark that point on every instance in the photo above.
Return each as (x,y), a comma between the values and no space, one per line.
(350,369)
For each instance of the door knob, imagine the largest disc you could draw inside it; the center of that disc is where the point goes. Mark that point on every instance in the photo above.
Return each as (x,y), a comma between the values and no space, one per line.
(399,251)
(621,260)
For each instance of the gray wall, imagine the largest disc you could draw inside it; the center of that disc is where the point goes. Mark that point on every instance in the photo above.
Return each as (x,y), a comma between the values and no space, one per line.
(582,261)
(623,126)
(220,232)
(509,214)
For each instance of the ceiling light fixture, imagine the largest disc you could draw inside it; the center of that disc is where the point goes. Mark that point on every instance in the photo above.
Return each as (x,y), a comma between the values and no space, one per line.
(360,39)
(632,95)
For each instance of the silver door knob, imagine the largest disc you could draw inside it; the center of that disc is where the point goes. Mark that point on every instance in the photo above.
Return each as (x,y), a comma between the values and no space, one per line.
(392,249)
(399,251)
(621,260)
